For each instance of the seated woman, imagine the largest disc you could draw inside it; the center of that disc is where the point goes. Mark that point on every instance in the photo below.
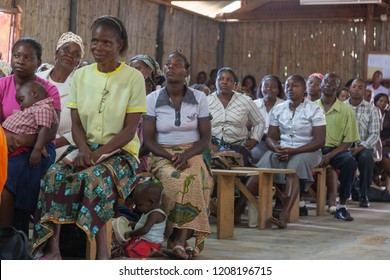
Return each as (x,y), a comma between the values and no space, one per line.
(381,101)
(232,112)
(68,54)
(150,69)
(295,135)
(270,93)
(22,187)
(177,132)
(248,86)
(107,99)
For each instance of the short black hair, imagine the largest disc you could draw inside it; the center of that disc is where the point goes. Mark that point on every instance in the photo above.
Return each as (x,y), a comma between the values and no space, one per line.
(117,25)
(149,189)
(32,42)
(227,69)
(278,82)
(186,62)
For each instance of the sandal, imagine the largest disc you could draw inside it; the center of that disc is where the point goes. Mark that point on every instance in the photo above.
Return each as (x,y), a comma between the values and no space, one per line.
(192,253)
(278,223)
(178,253)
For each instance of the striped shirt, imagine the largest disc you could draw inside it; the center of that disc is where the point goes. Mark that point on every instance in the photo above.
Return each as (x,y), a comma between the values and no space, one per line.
(230,123)
(28,121)
(368,122)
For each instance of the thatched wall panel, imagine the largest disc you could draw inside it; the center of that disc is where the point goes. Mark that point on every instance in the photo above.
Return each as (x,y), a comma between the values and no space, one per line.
(249,48)
(141,19)
(88,11)
(177,32)
(204,46)
(6,4)
(322,47)
(45,22)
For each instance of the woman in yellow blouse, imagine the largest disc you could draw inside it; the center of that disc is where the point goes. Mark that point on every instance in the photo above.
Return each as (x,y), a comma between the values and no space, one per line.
(107,99)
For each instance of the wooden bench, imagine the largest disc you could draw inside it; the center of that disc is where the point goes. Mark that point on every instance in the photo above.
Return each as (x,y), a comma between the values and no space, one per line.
(265,201)
(227,179)
(320,195)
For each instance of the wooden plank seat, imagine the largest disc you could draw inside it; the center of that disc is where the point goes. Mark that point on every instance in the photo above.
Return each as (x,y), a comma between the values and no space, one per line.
(227,179)
(265,201)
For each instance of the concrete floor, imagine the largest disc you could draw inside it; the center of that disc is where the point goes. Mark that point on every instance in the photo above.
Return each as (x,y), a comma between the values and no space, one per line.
(312,238)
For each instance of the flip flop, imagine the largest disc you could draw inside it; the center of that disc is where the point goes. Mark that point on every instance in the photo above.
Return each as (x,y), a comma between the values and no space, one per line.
(178,253)
(278,223)
(192,253)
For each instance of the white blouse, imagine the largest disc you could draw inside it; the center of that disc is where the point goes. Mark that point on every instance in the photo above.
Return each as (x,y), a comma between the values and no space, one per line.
(296,127)
(263,110)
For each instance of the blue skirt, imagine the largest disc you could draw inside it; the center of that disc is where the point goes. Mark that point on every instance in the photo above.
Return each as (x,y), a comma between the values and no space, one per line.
(24,181)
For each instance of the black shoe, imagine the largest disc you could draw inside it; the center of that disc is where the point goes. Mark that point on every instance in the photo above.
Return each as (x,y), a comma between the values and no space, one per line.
(303,211)
(364,202)
(343,214)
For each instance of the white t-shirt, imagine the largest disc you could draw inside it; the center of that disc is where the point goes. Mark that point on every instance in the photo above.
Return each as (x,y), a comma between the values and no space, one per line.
(380,89)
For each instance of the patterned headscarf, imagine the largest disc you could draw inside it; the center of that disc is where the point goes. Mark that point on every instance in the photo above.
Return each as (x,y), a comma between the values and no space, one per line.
(150,62)
(318,75)
(71,37)
(5,68)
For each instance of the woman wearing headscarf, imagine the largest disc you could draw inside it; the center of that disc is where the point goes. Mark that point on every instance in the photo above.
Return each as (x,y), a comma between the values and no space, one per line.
(150,69)
(68,55)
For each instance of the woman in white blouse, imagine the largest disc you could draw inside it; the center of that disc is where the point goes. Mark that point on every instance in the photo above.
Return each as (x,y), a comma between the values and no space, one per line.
(296,133)
(231,112)
(69,52)
(270,93)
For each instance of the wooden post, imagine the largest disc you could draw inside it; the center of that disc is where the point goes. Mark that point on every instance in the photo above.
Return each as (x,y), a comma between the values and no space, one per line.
(194,41)
(276,60)
(369,34)
(73,16)
(221,44)
(160,34)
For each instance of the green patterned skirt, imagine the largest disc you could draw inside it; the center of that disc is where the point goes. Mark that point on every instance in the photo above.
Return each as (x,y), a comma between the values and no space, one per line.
(86,198)
(186,194)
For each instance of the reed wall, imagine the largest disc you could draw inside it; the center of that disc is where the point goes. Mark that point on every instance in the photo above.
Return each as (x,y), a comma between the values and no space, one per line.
(257,48)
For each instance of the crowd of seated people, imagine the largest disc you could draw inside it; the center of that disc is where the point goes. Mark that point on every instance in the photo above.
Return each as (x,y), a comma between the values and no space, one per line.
(121,119)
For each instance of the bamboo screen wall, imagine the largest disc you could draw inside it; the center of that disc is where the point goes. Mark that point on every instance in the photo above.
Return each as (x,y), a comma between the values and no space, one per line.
(303,48)
(257,48)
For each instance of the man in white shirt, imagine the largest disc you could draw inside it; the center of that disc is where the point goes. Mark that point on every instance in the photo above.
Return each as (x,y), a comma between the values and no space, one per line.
(376,87)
